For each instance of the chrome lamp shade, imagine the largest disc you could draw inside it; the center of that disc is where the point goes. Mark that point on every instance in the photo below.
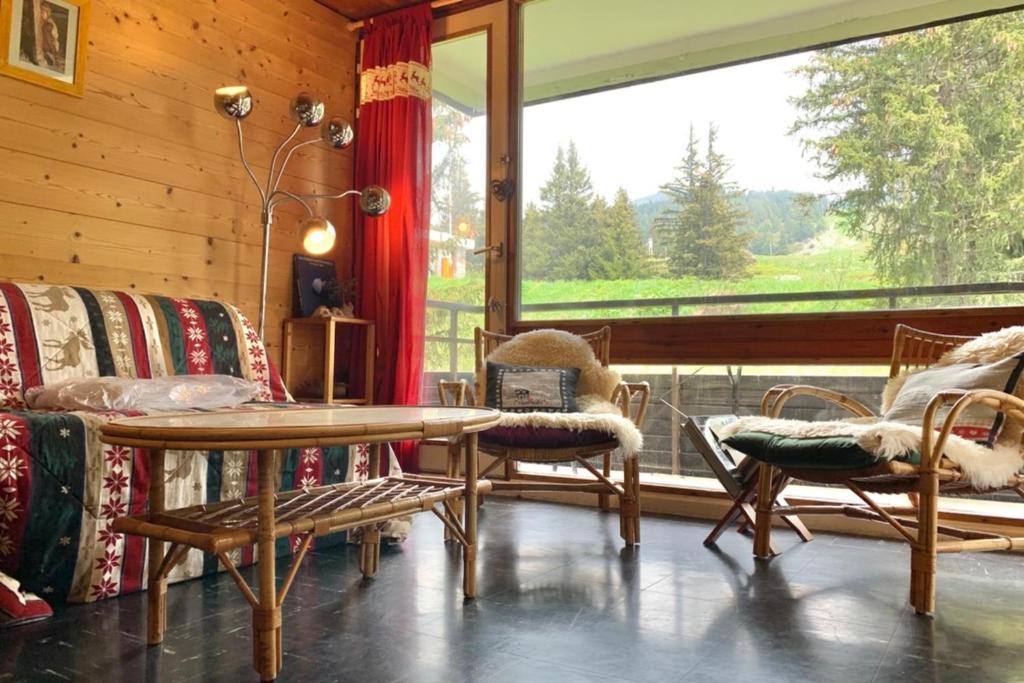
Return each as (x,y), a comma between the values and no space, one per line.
(318,234)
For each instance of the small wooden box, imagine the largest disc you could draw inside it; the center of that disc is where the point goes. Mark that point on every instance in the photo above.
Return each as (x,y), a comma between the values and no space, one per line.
(309,350)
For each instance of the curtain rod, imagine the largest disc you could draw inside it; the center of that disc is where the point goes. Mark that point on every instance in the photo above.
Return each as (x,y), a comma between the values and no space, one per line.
(435,4)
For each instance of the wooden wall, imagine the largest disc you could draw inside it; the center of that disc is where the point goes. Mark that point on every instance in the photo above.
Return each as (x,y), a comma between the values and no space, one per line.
(138,185)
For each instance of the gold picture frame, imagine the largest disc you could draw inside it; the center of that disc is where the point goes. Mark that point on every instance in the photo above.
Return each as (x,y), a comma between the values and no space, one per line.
(44,41)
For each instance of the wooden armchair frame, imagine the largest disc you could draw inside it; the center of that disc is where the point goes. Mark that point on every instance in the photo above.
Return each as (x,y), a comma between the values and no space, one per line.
(918,522)
(632,399)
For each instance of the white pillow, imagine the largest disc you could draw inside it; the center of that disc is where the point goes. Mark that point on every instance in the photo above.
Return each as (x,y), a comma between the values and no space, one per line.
(178,392)
(977,423)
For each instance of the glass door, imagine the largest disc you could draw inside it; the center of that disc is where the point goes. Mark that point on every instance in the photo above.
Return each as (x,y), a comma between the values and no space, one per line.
(467,219)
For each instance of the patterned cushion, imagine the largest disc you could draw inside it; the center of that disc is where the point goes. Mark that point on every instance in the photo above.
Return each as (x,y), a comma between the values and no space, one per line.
(50,333)
(522,389)
(977,423)
(543,437)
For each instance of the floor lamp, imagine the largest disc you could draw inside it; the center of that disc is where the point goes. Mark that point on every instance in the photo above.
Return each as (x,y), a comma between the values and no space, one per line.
(235,103)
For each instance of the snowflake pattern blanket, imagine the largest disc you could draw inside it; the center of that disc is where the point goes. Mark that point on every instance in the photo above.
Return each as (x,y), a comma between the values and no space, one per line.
(60,487)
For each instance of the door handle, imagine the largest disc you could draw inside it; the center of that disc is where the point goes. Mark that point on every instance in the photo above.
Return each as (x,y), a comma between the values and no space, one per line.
(498,249)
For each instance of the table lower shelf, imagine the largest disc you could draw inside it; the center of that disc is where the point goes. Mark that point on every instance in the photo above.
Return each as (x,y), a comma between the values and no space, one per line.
(221,527)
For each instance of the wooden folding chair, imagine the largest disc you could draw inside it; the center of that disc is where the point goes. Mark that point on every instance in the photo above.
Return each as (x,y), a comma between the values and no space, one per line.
(739,479)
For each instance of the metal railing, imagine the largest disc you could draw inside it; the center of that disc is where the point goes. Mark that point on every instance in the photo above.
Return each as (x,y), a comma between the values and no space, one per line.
(891,295)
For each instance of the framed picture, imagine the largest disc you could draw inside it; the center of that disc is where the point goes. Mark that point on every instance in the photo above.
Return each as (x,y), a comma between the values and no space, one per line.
(43,42)
(316,284)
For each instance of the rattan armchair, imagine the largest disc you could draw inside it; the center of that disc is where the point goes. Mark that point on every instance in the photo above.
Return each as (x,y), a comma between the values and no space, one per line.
(630,398)
(917,522)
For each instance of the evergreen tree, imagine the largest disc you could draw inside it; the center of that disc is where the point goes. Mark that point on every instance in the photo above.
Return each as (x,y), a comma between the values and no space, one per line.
(567,198)
(453,201)
(700,233)
(573,234)
(537,255)
(620,253)
(559,234)
(926,129)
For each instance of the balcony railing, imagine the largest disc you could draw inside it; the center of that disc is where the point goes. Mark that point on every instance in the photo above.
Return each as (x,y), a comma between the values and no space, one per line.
(890,295)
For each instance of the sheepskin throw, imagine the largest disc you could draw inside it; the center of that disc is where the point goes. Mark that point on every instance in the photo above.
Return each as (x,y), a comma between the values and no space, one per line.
(984,468)
(559,349)
(556,348)
(988,348)
(598,415)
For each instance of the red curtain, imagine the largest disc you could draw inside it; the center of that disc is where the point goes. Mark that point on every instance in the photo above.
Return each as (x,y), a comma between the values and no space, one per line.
(393,150)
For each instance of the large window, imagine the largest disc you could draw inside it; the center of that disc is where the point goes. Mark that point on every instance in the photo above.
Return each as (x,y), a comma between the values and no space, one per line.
(455,285)
(881,174)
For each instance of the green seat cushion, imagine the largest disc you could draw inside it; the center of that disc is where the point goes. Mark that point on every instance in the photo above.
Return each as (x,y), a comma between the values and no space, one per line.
(817,453)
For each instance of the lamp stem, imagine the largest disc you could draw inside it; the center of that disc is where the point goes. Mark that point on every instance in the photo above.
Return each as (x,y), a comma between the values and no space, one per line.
(340,195)
(289,195)
(284,164)
(245,163)
(273,159)
(267,218)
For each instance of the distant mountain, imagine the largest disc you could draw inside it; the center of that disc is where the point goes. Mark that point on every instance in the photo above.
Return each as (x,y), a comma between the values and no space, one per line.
(779,220)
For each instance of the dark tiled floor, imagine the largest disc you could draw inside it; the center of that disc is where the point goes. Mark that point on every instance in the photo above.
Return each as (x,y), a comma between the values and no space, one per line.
(560,600)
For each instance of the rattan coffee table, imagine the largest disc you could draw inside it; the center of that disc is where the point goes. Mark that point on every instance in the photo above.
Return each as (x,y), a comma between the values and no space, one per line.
(219,528)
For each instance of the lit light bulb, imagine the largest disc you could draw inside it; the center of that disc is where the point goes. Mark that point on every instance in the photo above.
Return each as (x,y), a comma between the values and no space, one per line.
(318,235)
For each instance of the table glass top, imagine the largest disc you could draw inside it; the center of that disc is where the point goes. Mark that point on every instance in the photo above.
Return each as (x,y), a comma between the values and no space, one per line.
(312,417)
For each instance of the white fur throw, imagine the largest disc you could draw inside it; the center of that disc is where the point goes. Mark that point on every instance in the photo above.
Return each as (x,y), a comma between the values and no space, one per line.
(559,349)
(988,348)
(594,414)
(983,467)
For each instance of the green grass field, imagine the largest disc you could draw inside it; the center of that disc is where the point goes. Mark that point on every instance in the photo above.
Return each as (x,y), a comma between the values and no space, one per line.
(836,269)
(841,267)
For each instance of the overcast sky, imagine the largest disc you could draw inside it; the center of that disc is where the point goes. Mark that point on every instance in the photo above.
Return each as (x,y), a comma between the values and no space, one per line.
(635,137)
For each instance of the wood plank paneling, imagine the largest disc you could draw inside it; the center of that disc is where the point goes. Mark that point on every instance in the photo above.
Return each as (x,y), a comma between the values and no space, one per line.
(137,185)
(361,9)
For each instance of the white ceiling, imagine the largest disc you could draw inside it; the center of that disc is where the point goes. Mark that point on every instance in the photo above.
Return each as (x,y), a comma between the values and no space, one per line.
(574,46)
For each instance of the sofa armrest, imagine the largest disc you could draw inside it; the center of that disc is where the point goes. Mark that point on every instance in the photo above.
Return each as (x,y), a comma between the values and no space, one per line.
(775,398)
(632,399)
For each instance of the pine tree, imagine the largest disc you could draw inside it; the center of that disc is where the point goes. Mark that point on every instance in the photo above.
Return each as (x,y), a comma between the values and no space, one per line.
(700,233)
(567,198)
(926,131)
(620,253)
(559,234)
(536,258)
(453,200)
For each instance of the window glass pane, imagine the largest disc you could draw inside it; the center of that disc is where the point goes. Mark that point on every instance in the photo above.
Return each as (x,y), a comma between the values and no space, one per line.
(671,457)
(455,285)
(881,174)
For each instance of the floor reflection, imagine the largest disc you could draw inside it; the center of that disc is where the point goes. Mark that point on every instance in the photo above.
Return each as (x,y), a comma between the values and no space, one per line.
(560,599)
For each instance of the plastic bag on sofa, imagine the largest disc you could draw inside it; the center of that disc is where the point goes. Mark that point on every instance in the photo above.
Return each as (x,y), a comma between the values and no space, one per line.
(176,392)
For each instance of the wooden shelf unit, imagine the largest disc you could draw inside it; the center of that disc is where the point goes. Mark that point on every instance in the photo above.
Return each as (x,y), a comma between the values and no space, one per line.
(309,355)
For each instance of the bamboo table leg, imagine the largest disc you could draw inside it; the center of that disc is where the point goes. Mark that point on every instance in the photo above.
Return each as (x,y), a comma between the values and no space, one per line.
(369,550)
(156,597)
(266,618)
(469,551)
(452,472)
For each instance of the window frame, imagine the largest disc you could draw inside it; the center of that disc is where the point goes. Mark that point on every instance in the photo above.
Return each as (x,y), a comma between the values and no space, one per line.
(794,339)
(861,337)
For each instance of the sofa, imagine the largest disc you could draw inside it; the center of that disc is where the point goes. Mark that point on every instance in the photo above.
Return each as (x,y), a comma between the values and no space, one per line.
(61,488)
